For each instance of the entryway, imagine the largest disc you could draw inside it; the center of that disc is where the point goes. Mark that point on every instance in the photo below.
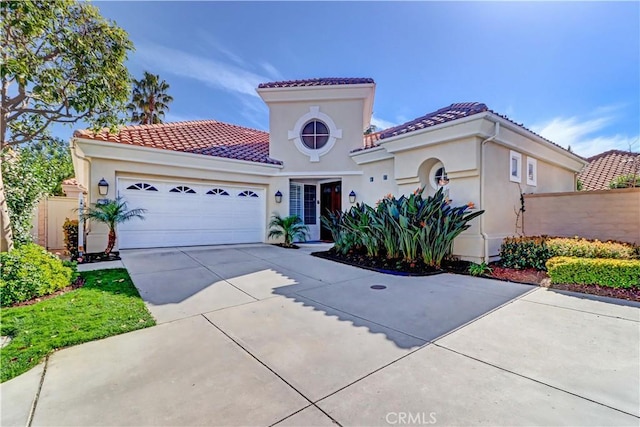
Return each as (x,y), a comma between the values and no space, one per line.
(304,202)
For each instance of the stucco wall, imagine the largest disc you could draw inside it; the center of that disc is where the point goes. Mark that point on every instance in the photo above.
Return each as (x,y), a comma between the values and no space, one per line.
(502,196)
(347,116)
(603,215)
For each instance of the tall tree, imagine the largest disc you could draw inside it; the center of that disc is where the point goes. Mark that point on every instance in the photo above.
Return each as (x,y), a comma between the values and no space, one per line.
(30,172)
(149,100)
(61,62)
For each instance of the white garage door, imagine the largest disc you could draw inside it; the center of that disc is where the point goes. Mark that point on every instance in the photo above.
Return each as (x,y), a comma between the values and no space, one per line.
(187,214)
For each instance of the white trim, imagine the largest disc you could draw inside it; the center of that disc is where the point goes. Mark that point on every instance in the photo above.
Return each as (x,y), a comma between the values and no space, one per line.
(370,155)
(383,142)
(295,134)
(533,164)
(321,174)
(517,177)
(184,159)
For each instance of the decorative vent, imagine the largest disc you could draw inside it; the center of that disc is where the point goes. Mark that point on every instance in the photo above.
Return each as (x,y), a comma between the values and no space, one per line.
(218,192)
(142,186)
(182,189)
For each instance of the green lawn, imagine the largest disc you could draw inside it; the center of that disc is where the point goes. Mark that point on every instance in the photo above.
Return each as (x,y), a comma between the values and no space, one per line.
(107,305)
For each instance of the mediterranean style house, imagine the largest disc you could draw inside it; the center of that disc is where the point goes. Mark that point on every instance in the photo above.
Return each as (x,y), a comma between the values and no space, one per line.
(207,182)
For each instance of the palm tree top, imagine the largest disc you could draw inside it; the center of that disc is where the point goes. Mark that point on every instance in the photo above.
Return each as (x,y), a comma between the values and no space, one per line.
(149,99)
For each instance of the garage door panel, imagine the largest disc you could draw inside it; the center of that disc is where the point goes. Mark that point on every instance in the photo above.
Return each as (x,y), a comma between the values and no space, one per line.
(183,219)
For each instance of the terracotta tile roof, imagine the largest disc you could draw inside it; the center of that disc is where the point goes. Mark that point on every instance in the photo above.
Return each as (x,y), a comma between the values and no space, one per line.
(605,167)
(327,81)
(443,115)
(208,137)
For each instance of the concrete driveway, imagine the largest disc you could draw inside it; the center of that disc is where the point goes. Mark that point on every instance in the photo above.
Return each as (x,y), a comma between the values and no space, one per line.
(259,335)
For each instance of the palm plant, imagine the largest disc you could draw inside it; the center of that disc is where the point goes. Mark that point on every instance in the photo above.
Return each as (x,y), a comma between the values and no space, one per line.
(111,213)
(149,100)
(290,227)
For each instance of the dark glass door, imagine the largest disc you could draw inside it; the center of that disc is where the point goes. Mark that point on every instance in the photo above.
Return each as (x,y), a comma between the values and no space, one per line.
(330,200)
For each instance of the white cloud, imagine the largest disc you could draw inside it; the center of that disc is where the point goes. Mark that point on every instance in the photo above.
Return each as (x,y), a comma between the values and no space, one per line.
(218,75)
(585,135)
(381,124)
(272,71)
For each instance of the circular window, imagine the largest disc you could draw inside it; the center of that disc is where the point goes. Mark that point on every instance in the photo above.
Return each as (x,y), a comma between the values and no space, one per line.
(315,134)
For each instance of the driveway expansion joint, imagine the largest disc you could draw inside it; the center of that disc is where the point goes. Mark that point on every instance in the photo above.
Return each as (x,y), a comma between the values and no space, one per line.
(218,276)
(585,311)
(535,380)
(34,404)
(311,403)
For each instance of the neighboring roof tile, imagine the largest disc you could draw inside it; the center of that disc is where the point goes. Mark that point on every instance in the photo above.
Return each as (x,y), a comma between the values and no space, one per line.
(605,167)
(208,137)
(443,115)
(327,81)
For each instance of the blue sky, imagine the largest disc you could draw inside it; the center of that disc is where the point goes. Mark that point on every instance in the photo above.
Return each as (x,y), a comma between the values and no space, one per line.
(570,71)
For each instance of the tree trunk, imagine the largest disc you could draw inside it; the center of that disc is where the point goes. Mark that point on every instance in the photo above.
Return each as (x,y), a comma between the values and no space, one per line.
(6,235)
(112,241)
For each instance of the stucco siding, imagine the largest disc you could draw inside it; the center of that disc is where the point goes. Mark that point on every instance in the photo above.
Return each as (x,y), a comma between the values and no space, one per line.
(603,214)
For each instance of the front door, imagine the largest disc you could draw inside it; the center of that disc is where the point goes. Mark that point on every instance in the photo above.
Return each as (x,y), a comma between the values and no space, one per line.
(330,200)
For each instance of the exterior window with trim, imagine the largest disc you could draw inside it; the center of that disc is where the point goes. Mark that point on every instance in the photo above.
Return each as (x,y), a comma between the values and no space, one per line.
(183,189)
(247,193)
(218,192)
(315,134)
(515,166)
(532,171)
(142,186)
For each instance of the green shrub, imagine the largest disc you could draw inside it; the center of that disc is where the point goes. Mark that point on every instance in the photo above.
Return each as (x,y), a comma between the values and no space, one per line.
(70,229)
(626,181)
(614,273)
(533,252)
(584,248)
(409,228)
(524,252)
(479,269)
(29,271)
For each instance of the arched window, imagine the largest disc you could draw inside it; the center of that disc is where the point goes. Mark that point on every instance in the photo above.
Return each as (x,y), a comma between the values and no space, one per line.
(247,193)
(142,186)
(182,189)
(217,192)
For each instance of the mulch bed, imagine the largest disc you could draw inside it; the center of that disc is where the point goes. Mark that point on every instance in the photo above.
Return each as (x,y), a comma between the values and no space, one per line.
(530,276)
(100,257)
(527,276)
(629,294)
(281,245)
(78,283)
(396,267)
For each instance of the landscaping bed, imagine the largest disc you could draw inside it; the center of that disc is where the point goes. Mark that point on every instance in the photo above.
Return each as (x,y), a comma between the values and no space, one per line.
(397,267)
(107,304)
(99,257)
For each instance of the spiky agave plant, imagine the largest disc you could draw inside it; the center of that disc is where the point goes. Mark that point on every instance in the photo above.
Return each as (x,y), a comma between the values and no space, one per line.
(111,213)
(290,227)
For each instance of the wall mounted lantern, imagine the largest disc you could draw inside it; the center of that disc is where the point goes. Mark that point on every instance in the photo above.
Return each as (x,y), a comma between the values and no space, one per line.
(103,187)
(352,197)
(278,196)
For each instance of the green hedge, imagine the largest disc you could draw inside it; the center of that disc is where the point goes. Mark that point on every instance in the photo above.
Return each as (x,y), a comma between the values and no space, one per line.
(524,252)
(533,252)
(70,230)
(29,271)
(614,273)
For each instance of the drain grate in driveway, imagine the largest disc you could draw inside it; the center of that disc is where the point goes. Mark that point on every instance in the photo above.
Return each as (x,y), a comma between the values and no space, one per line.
(378,287)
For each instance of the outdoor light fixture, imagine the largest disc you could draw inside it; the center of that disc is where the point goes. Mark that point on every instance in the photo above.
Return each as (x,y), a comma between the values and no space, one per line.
(352,197)
(103,187)
(278,196)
